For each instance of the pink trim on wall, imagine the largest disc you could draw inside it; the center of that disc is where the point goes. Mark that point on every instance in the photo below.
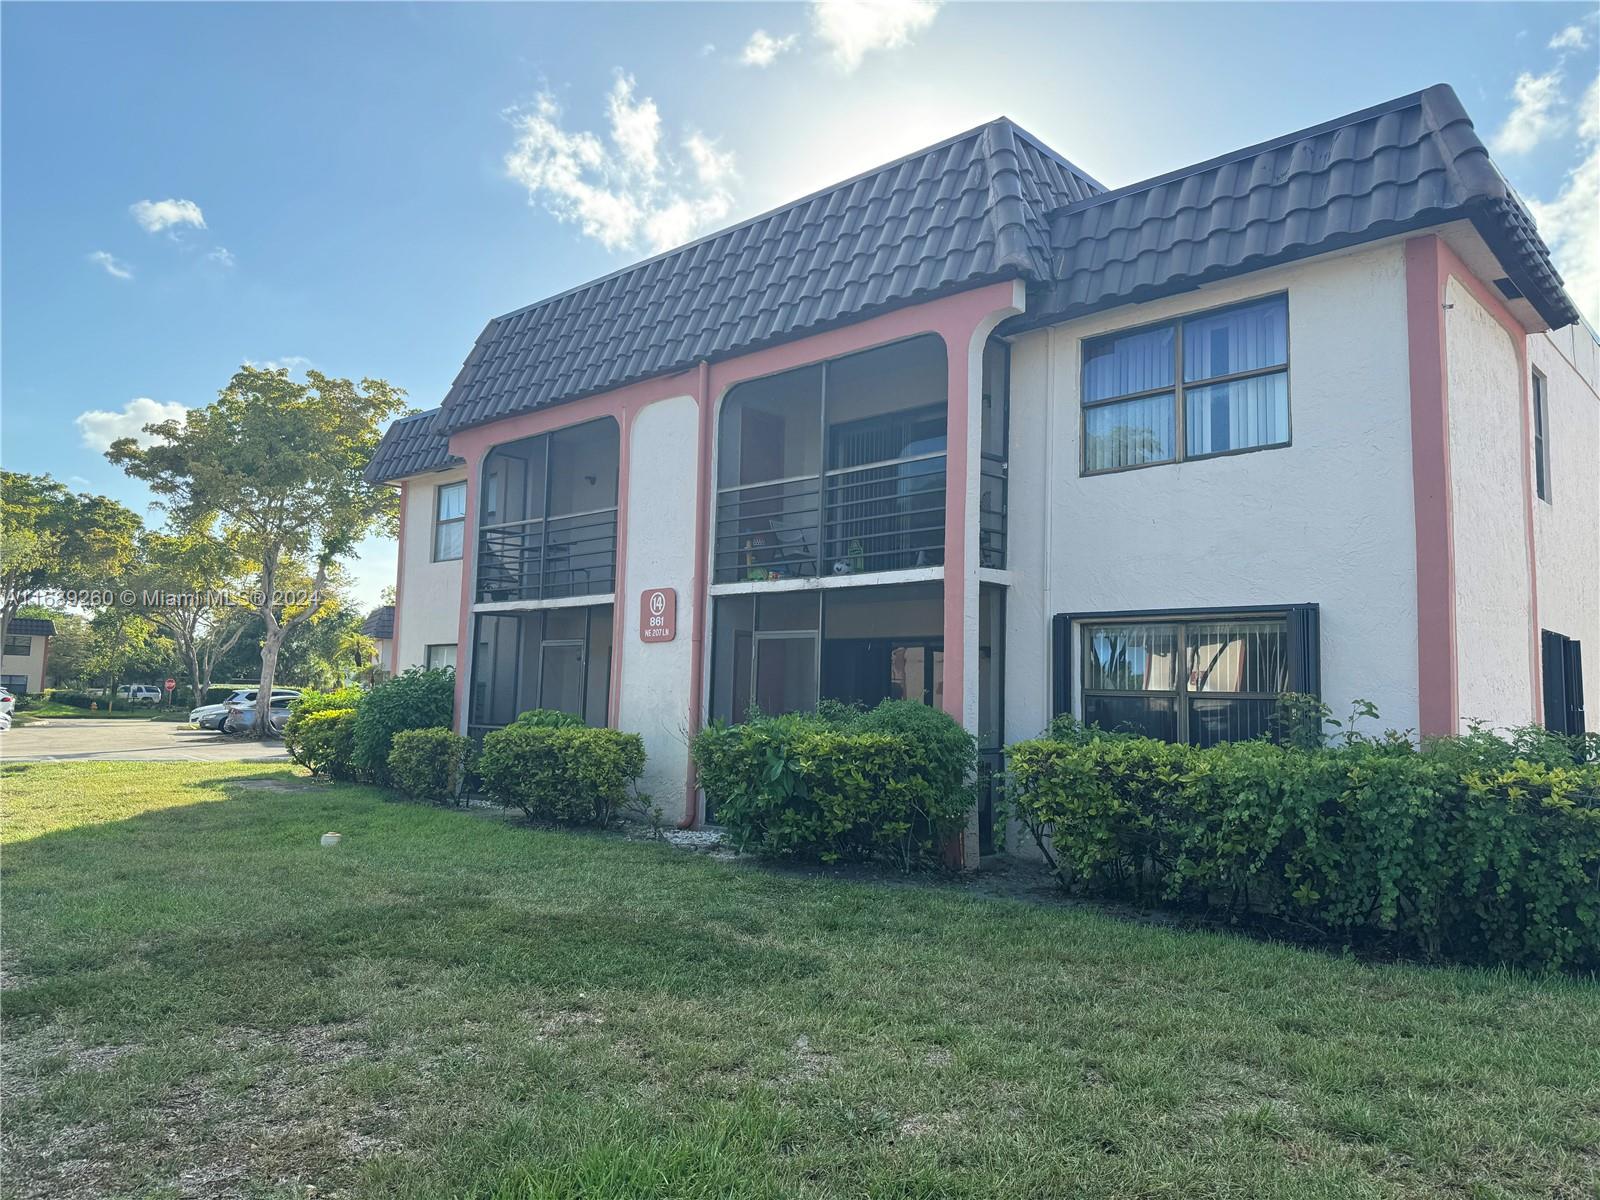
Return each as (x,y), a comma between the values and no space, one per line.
(706,423)
(1430,265)
(1438,699)
(400,574)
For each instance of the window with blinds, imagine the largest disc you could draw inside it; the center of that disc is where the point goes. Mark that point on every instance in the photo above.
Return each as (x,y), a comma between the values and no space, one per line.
(1199,679)
(1209,384)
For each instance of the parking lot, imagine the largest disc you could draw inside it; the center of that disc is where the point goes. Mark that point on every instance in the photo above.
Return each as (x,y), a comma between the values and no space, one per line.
(155,741)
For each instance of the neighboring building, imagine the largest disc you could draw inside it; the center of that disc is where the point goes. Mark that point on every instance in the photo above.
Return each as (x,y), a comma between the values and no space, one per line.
(379,626)
(968,428)
(25,654)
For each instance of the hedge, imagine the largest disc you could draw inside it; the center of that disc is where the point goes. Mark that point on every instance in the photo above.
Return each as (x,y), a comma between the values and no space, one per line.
(572,775)
(430,764)
(1478,848)
(324,742)
(893,784)
(414,699)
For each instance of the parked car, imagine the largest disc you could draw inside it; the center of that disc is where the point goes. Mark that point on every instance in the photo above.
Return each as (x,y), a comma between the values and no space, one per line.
(241,717)
(5,721)
(139,693)
(211,716)
(8,702)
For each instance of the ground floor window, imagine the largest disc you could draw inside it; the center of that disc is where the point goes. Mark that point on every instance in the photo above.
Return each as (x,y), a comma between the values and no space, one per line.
(1199,678)
(556,658)
(782,652)
(441,657)
(1563,682)
(17,685)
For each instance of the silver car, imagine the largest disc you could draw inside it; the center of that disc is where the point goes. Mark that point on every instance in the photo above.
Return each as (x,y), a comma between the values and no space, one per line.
(241,717)
(211,716)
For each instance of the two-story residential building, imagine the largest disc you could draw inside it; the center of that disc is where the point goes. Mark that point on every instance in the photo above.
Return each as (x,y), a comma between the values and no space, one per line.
(25,654)
(971,429)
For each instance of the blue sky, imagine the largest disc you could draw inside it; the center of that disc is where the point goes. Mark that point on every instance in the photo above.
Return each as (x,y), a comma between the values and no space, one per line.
(361,186)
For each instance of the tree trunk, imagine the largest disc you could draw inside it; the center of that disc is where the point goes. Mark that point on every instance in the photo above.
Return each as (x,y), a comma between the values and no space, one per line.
(270,645)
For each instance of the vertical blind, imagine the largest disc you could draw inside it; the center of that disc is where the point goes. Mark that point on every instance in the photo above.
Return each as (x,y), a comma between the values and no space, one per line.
(1233,392)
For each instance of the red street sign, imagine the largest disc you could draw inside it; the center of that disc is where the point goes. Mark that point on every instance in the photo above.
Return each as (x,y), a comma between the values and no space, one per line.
(171,683)
(658,615)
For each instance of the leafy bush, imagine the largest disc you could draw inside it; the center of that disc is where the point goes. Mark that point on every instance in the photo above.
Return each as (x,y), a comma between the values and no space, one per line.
(74,699)
(307,704)
(548,718)
(572,775)
(430,764)
(1478,848)
(414,699)
(892,784)
(324,742)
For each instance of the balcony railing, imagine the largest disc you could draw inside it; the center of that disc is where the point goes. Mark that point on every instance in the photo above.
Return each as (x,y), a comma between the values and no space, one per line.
(992,500)
(548,558)
(880,517)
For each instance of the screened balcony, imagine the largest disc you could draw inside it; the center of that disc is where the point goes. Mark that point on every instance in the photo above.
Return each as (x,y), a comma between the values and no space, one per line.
(548,519)
(834,469)
(839,468)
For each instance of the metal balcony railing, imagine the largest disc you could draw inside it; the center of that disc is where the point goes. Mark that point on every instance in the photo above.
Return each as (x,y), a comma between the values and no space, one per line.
(548,558)
(992,499)
(880,517)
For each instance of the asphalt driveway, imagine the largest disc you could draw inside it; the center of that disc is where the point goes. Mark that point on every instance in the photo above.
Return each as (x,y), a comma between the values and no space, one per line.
(154,741)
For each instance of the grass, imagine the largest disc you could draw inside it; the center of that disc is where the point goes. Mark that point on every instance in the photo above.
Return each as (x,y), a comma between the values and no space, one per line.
(201,1000)
(50,711)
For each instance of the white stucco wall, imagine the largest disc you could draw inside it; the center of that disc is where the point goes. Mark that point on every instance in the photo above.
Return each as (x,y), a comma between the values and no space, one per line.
(1489,514)
(1327,519)
(662,453)
(428,611)
(32,664)
(1567,527)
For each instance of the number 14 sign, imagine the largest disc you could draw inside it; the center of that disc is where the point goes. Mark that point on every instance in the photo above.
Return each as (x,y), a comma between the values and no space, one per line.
(658,615)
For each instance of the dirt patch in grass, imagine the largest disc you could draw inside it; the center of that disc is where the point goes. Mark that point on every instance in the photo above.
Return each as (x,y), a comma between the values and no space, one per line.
(271,1115)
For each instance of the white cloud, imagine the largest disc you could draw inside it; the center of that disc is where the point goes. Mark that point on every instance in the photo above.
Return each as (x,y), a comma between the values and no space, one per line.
(1568,223)
(221,255)
(1535,116)
(852,29)
(628,188)
(155,215)
(762,49)
(114,267)
(288,362)
(100,428)
(1570,38)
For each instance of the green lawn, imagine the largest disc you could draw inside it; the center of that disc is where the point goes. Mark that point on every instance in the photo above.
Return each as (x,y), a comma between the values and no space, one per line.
(51,711)
(201,1000)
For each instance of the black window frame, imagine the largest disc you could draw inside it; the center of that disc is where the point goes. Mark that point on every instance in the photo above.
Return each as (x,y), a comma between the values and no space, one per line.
(427,654)
(1561,671)
(1304,638)
(1179,387)
(1540,402)
(440,523)
(9,650)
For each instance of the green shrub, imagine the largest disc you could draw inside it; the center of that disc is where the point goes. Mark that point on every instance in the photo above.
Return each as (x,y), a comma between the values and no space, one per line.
(414,699)
(891,784)
(430,764)
(572,775)
(1477,848)
(75,699)
(548,718)
(303,708)
(324,742)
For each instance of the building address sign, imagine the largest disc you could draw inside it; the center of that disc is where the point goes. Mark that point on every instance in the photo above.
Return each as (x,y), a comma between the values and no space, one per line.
(658,615)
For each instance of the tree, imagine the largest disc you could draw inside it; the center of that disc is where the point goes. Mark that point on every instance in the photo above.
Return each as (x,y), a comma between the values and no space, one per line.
(275,466)
(357,649)
(54,538)
(121,640)
(190,587)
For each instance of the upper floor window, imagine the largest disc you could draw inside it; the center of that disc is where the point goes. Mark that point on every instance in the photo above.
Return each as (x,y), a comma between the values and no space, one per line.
(449,520)
(1541,436)
(19,644)
(836,468)
(1213,383)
